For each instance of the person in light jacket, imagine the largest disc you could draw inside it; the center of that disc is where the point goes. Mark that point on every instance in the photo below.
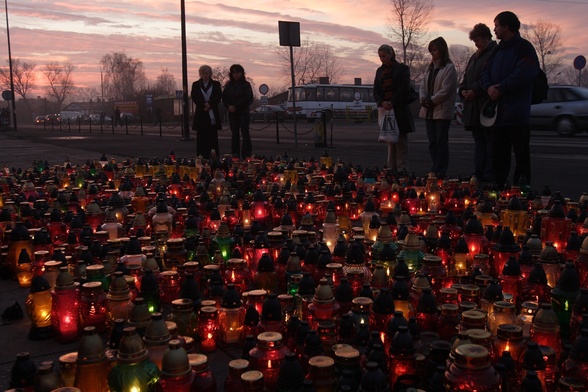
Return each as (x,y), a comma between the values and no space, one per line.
(438,91)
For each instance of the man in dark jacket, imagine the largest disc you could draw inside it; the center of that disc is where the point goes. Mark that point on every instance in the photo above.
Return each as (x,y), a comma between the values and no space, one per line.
(392,91)
(508,79)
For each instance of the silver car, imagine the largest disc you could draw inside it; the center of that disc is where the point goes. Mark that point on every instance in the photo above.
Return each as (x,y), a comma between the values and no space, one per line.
(565,110)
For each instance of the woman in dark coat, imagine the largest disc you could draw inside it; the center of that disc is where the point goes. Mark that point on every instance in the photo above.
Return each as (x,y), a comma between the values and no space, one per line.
(392,91)
(474,96)
(206,95)
(237,96)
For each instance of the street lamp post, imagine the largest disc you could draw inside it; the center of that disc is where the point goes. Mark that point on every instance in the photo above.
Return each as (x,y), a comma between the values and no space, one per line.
(10,67)
(185,105)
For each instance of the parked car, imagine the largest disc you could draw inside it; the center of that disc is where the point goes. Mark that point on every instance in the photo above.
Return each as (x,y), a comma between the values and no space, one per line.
(565,110)
(39,120)
(268,113)
(52,119)
(95,119)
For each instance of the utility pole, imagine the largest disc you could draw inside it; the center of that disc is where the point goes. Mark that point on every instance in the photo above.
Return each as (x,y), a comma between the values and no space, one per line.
(185,103)
(10,66)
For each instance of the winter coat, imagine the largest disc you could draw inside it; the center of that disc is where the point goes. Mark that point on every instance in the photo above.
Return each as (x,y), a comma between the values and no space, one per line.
(513,67)
(443,94)
(202,117)
(471,81)
(238,94)
(397,91)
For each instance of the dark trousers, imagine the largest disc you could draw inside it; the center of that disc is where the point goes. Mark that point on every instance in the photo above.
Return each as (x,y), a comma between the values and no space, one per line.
(239,121)
(482,153)
(507,139)
(438,135)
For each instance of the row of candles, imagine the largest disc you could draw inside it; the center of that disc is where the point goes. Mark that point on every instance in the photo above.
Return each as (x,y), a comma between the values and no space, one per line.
(332,244)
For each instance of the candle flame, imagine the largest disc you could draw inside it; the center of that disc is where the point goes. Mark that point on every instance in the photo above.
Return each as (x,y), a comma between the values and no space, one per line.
(269,364)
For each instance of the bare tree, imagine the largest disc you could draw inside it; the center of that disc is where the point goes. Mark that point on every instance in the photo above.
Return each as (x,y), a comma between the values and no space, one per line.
(165,83)
(460,55)
(23,76)
(124,76)
(409,24)
(546,37)
(87,94)
(60,82)
(220,73)
(312,60)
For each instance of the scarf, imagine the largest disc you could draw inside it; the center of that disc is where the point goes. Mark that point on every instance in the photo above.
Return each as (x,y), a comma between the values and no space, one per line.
(206,92)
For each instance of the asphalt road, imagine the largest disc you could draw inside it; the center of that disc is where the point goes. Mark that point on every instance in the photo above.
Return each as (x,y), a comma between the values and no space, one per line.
(557,162)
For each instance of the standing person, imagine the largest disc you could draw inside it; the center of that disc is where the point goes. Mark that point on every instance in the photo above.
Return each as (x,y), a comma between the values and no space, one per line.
(508,80)
(206,94)
(392,91)
(117,119)
(438,91)
(474,97)
(237,96)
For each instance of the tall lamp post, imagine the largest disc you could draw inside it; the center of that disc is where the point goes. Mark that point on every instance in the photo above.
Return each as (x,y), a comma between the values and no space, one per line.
(185,105)
(10,67)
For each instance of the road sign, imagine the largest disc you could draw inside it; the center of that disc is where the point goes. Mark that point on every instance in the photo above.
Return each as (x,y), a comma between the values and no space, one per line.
(263,100)
(7,95)
(179,94)
(263,89)
(580,62)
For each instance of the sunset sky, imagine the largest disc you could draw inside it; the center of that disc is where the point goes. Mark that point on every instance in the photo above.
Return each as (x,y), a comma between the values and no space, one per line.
(245,32)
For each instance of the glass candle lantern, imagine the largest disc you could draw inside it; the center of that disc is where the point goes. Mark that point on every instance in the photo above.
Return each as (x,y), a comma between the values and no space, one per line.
(231,317)
(532,360)
(176,371)
(133,370)
(119,298)
(238,274)
(545,328)
(564,295)
(38,305)
(515,217)
(65,307)
(503,313)
(93,306)
(175,253)
(92,366)
(361,310)
(52,271)
(556,227)
(323,306)
(208,328)
(236,368)
(67,368)
(402,360)
(330,230)
(321,371)
(156,338)
(509,337)
(448,321)
(267,357)
(204,380)
(170,286)
(183,315)
(24,269)
(471,370)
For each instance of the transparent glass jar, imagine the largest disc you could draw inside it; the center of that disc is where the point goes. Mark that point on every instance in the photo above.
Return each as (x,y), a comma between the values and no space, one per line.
(175,254)
(471,370)
(503,313)
(525,317)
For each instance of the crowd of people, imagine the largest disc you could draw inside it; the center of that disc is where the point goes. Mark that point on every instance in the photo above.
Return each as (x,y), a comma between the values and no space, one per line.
(496,90)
